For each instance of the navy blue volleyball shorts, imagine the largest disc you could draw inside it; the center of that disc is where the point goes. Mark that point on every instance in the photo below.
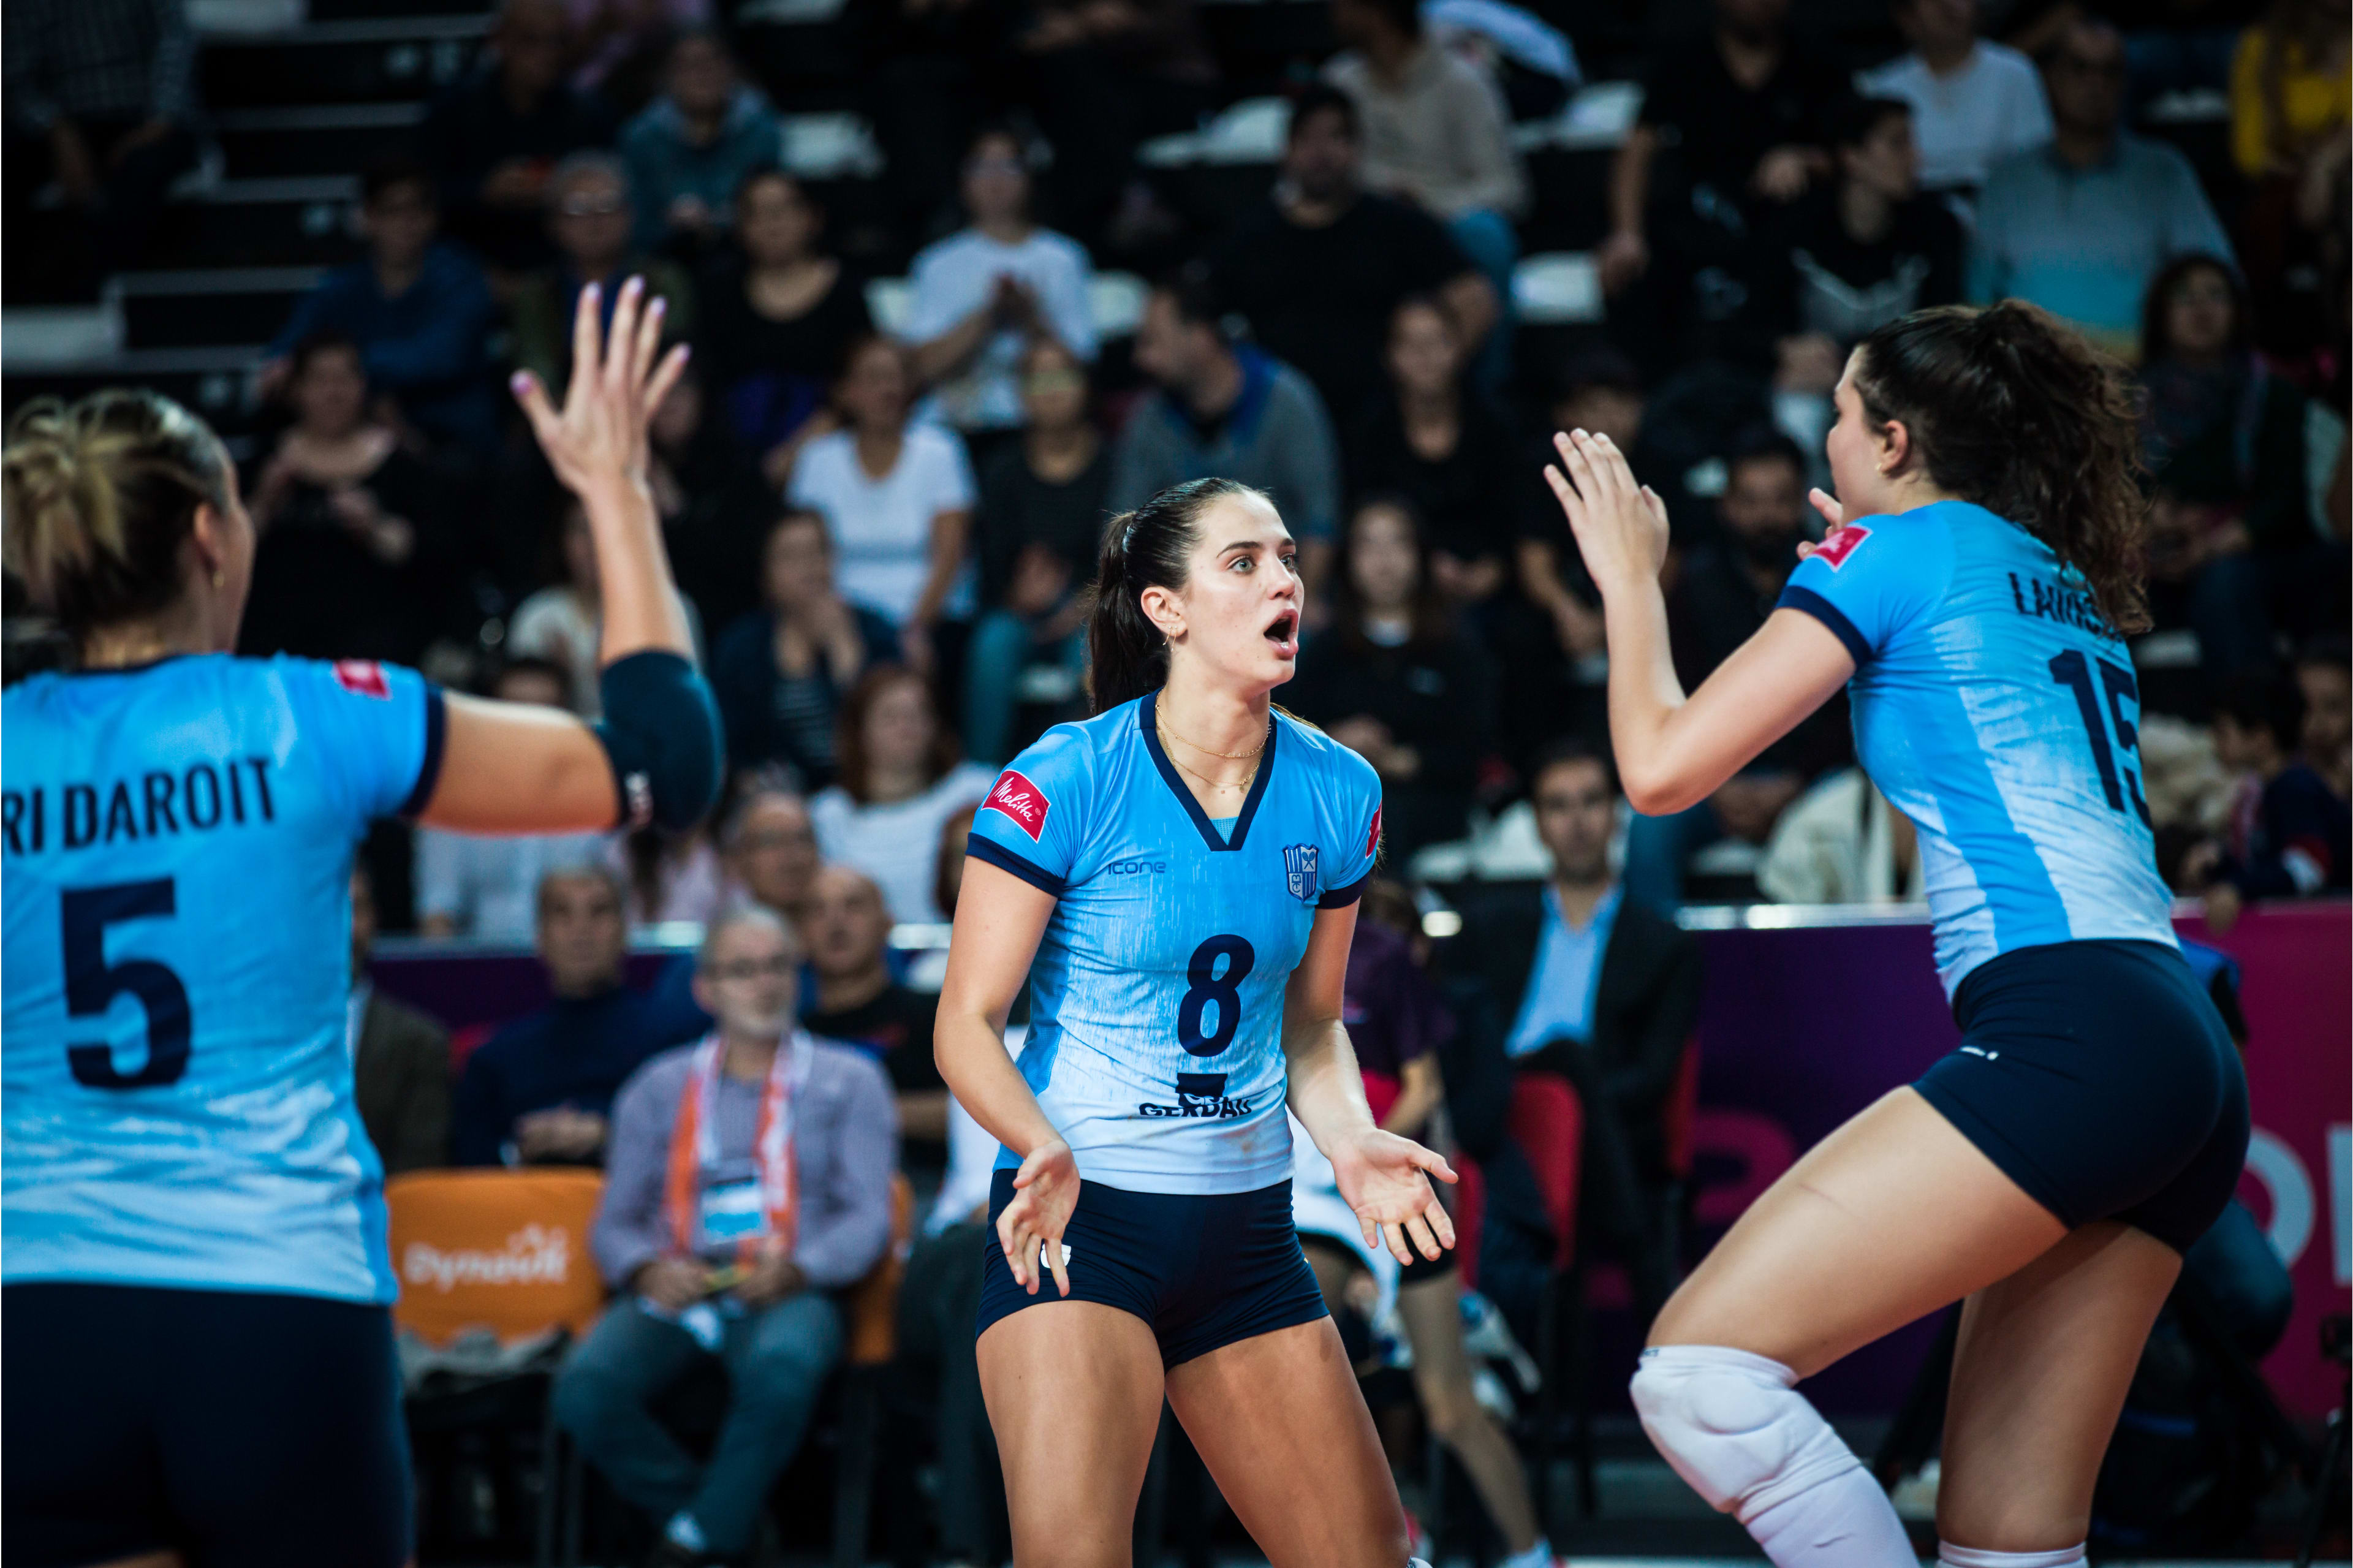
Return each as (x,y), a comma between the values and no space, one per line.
(2099,1077)
(233,1427)
(1204,1269)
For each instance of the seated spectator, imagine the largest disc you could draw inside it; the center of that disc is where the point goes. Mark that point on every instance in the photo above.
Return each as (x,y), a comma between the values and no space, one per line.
(1393,680)
(2288,832)
(897,495)
(1231,409)
(779,675)
(619,47)
(492,138)
(1438,134)
(1105,77)
(1740,109)
(490,888)
(1602,991)
(2325,676)
(540,1091)
(400,1058)
(2291,95)
(588,219)
(1446,450)
(420,309)
(2081,227)
(690,149)
(1841,842)
(563,623)
(899,780)
(715,507)
(672,878)
(102,100)
(770,847)
(1040,523)
(981,294)
(1721,599)
(1974,102)
(1320,267)
(2224,441)
(354,558)
(775,334)
(859,1003)
(729,1238)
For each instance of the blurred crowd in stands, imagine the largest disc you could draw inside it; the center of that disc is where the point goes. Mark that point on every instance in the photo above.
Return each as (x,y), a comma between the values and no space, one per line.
(884,480)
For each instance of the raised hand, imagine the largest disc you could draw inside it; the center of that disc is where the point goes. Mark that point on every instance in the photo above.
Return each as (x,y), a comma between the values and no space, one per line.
(1386,1179)
(599,437)
(1045,1192)
(1620,526)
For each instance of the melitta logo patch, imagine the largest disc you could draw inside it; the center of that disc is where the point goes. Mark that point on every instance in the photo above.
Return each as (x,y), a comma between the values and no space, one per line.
(1022,801)
(1841,544)
(363,676)
(1373,834)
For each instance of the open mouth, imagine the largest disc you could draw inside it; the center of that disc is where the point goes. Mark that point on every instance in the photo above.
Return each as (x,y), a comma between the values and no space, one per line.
(1283,633)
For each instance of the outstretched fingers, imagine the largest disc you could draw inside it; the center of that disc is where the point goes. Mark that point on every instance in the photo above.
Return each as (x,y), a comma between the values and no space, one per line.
(587,352)
(665,376)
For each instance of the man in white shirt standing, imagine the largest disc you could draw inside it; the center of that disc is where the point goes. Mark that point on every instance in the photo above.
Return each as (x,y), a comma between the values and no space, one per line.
(981,294)
(1973,102)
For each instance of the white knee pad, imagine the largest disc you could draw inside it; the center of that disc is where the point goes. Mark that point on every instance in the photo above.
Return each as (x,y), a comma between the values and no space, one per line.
(1952,1556)
(1734,1427)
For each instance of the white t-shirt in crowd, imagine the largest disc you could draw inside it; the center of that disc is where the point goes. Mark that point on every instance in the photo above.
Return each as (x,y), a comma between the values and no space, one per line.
(898,845)
(882,528)
(489,887)
(554,623)
(1966,122)
(955,278)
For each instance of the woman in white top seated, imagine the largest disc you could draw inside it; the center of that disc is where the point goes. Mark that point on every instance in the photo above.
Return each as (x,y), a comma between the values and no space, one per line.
(899,782)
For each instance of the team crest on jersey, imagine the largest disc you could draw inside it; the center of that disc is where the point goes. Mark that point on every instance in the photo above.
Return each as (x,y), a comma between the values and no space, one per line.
(1022,801)
(363,677)
(1299,870)
(1841,544)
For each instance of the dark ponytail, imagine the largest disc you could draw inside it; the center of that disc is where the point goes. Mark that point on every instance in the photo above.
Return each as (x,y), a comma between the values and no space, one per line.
(1150,547)
(2014,411)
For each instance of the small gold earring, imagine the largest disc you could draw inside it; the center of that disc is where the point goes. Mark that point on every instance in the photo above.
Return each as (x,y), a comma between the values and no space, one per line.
(219,577)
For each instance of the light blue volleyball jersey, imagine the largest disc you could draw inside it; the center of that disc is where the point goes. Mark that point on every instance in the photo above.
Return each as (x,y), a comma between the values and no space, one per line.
(1994,706)
(176,1087)
(1155,1002)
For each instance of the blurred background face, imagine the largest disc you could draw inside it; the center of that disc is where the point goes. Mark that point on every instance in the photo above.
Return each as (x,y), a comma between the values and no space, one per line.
(1575,812)
(798,568)
(2328,709)
(591,220)
(747,981)
(532,43)
(774,221)
(2085,78)
(399,223)
(535,687)
(1382,565)
(1931,26)
(330,394)
(677,417)
(1425,355)
(1755,20)
(581,937)
(702,79)
(899,727)
(775,853)
(2197,314)
(846,926)
(1886,162)
(1321,158)
(875,389)
(1168,348)
(1053,388)
(1611,411)
(1764,509)
(996,182)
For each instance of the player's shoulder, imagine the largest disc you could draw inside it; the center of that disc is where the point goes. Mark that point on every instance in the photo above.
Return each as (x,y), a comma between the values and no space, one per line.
(1324,759)
(1063,771)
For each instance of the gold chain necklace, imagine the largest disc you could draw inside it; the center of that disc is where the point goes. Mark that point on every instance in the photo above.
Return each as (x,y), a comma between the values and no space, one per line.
(1213,783)
(1168,728)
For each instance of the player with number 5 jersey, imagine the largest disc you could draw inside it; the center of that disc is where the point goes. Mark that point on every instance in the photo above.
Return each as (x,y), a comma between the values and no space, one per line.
(199,1358)
(1175,880)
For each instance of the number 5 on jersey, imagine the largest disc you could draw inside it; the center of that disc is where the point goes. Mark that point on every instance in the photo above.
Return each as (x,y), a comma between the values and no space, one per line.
(93,983)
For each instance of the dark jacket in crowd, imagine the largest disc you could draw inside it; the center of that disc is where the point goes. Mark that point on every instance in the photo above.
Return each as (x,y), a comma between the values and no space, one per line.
(576,1051)
(400,1077)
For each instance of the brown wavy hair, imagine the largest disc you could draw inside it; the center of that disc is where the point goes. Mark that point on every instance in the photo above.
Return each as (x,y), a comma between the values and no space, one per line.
(2013,410)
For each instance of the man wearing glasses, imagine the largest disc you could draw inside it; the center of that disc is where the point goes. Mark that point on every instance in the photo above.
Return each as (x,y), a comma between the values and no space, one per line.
(590,218)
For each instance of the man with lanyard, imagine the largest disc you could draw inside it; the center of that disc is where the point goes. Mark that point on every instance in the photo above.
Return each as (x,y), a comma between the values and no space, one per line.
(748,1178)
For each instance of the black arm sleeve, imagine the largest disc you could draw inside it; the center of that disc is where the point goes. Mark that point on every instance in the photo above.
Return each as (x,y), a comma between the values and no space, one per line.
(661,732)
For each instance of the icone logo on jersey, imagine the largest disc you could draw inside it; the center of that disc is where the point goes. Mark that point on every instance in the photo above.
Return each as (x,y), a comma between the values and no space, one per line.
(1022,801)
(1841,544)
(363,677)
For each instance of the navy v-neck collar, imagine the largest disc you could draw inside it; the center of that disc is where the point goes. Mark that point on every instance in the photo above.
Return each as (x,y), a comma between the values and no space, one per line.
(1146,709)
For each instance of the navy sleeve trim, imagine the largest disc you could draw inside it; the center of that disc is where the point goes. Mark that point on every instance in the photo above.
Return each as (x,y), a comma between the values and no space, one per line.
(1805,599)
(1341,898)
(1005,859)
(428,772)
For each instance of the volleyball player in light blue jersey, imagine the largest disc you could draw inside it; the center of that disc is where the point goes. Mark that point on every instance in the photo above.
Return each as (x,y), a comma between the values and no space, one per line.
(1982,567)
(194,1285)
(1176,879)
